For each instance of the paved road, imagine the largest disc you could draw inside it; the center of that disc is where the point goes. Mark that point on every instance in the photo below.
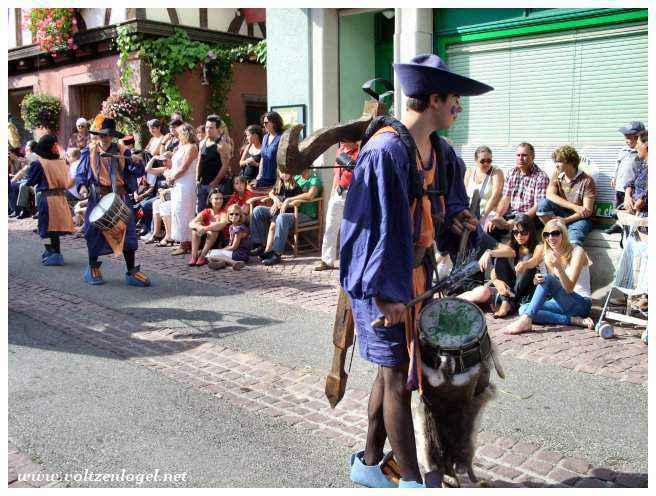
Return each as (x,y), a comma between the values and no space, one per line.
(597,418)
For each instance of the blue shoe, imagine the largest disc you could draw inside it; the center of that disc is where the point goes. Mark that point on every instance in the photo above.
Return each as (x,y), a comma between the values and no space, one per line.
(137,278)
(404,484)
(54,259)
(45,255)
(93,276)
(368,475)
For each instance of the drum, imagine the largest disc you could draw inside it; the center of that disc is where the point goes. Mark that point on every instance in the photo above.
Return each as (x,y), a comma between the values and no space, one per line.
(110,210)
(455,327)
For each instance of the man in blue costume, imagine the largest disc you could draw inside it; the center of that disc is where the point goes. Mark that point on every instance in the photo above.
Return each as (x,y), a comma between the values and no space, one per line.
(94,178)
(388,227)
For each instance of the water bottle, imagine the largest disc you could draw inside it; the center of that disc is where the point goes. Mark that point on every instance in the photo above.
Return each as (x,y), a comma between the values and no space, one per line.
(604,330)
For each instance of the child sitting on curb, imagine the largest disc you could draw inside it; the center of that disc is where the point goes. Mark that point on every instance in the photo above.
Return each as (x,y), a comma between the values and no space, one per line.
(236,253)
(210,224)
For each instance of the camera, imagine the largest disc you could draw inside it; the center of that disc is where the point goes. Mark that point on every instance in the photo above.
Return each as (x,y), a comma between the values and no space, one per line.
(344,160)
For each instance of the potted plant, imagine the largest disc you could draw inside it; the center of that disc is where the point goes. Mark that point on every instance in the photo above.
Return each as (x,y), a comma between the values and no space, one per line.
(41,110)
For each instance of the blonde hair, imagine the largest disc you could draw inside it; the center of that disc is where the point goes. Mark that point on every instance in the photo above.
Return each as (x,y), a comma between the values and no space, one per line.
(566,247)
(236,208)
(291,184)
(187,132)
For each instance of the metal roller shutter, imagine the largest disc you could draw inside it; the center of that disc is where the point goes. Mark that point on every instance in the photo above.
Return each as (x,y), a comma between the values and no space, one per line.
(573,87)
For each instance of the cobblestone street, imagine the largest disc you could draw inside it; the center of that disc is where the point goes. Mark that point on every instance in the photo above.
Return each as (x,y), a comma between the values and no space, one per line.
(293,396)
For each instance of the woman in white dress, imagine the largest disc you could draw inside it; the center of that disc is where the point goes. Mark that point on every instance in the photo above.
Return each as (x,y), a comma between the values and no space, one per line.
(183,195)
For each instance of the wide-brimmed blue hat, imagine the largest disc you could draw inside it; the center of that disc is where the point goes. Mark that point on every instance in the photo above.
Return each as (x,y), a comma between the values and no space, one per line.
(633,127)
(427,73)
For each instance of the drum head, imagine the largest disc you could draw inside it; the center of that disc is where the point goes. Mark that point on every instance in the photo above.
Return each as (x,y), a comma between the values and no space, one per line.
(103,206)
(450,323)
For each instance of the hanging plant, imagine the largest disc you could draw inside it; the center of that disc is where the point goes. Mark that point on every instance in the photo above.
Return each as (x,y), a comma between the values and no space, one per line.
(41,110)
(128,110)
(168,57)
(52,29)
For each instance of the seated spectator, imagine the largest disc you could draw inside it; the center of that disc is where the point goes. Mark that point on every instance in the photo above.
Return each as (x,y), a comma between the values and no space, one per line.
(511,279)
(271,225)
(251,155)
(161,203)
(16,163)
(562,296)
(570,195)
(207,225)
(628,163)
(73,158)
(241,195)
(635,199)
(81,137)
(25,192)
(236,253)
(347,154)
(525,186)
(488,180)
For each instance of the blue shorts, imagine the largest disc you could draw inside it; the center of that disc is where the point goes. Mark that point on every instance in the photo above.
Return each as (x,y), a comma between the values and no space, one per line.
(385,346)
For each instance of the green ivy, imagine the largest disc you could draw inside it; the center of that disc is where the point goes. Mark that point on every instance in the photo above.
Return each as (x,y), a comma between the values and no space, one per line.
(170,56)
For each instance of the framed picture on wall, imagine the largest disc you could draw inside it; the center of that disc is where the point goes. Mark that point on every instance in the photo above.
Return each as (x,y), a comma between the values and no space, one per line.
(291,115)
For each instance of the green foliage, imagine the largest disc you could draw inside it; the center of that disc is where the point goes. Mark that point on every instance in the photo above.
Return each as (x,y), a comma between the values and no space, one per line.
(171,56)
(41,110)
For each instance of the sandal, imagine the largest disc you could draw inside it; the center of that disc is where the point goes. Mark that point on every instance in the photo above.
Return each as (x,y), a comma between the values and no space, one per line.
(165,242)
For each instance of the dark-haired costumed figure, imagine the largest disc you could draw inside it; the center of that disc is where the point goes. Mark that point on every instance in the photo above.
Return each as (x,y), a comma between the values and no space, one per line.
(49,174)
(386,233)
(94,178)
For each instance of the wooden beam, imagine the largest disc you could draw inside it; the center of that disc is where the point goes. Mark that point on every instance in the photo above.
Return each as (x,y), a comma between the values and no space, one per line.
(235,24)
(249,29)
(262,28)
(203,18)
(173,15)
(19,26)
(108,16)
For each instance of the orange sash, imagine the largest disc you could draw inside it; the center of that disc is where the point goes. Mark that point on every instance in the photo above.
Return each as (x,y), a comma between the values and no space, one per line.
(59,213)
(419,276)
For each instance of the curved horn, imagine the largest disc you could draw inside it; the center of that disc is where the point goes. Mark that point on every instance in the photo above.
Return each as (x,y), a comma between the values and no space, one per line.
(293,157)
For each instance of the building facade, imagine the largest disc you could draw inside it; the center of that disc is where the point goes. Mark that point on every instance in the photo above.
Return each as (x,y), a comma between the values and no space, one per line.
(561,76)
(83,78)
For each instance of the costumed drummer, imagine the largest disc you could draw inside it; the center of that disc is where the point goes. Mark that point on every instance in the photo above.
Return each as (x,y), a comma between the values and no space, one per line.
(385,236)
(94,178)
(49,174)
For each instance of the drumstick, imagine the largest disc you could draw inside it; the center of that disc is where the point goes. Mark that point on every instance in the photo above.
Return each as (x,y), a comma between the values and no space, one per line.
(457,275)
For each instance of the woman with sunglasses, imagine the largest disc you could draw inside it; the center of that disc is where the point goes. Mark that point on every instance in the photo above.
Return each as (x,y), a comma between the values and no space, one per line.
(80,138)
(488,180)
(272,123)
(562,296)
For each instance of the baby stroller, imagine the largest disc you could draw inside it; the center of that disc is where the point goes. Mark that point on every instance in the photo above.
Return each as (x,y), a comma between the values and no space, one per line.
(631,278)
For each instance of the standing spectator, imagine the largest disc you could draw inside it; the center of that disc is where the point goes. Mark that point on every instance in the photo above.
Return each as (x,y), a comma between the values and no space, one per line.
(347,154)
(81,138)
(525,187)
(570,195)
(251,155)
(562,296)
(155,144)
(635,200)
(171,139)
(226,150)
(236,253)
(73,158)
(212,172)
(273,126)
(207,225)
(183,198)
(488,180)
(628,163)
(200,133)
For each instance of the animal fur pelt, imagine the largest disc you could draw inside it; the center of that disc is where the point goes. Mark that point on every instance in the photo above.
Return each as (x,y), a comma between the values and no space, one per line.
(446,419)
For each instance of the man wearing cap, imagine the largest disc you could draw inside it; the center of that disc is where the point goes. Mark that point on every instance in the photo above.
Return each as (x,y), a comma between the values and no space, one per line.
(387,230)
(628,164)
(95,177)
(80,139)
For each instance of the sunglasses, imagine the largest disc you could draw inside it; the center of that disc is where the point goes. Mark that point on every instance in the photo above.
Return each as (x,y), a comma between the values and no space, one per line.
(552,234)
(233,214)
(519,231)
(486,161)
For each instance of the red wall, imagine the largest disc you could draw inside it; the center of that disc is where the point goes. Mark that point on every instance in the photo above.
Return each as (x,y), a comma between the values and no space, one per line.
(248,79)
(58,81)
